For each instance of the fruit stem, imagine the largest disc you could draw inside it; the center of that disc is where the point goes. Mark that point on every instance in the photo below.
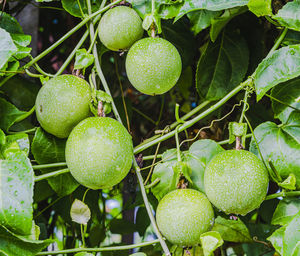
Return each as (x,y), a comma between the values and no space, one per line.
(44,166)
(283,194)
(50,175)
(113,248)
(149,210)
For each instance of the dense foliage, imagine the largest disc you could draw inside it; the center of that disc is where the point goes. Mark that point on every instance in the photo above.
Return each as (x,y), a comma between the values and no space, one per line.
(221,72)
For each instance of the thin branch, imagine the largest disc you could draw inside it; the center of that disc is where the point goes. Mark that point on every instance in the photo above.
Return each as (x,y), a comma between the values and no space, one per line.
(103,249)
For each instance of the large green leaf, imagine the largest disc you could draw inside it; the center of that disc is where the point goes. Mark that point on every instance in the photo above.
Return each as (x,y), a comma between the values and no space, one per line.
(120,226)
(73,8)
(285,211)
(212,5)
(202,19)
(16,193)
(47,149)
(289,93)
(260,7)
(218,23)
(198,156)
(210,241)
(21,139)
(7,47)
(276,239)
(164,172)
(281,145)
(282,65)
(182,38)
(232,230)
(222,66)
(21,92)
(10,24)
(13,245)
(291,37)
(291,241)
(9,114)
(289,15)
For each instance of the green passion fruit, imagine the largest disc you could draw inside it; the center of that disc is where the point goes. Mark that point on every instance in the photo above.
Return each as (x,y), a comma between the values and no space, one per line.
(153,65)
(99,152)
(236,181)
(62,103)
(120,27)
(183,215)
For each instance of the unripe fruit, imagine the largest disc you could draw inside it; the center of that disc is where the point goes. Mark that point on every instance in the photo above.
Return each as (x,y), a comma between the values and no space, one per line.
(99,152)
(120,27)
(183,215)
(62,103)
(153,65)
(236,181)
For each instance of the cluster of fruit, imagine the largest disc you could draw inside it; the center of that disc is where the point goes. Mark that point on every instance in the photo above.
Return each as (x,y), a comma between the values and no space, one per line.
(99,150)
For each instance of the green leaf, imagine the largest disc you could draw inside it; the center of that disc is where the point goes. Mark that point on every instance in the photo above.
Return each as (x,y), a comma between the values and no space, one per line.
(10,24)
(169,9)
(73,8)
(198,156)
(16,192)
(276,239)
(182,38)
(119,226)
(222,66)
(202,19)
(9,114)
(83,59)
(281,145)
(282,65)
(291,37)
(232,230)
(289,15)
(215,5)
(289,93)
(260,7)
(21,139)
(164,172)
(291,242)
(285,211)
(47,149)
(7,47)
(138,254)
(80,212)
(141,222)
(12,244)
(210,241)
(218,23)
(289,183)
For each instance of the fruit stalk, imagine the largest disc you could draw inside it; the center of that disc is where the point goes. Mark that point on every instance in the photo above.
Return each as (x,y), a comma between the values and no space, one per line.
(283,194)
(50,174)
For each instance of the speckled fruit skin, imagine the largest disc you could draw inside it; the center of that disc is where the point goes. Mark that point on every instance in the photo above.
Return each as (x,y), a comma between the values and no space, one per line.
(183,215)
(99,152)
(62,103)
(236,181)
(153,65)
(120,27)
